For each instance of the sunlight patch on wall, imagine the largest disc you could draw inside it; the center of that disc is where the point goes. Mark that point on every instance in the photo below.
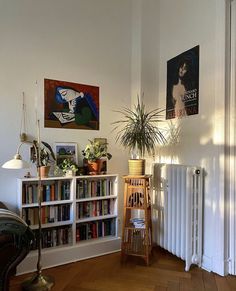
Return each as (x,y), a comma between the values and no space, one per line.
(218,135)
(169,159)
(214,133)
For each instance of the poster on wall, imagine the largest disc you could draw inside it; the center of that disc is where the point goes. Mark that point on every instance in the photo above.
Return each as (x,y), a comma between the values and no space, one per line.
(70,105)
(182,96)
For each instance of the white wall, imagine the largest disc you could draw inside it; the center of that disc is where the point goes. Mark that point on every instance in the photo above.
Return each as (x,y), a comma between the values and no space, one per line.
(150,52)
(82,41)
(184,24)
(93,42)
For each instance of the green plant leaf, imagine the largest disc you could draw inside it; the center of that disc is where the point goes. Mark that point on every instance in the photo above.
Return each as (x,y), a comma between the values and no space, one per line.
(139,128)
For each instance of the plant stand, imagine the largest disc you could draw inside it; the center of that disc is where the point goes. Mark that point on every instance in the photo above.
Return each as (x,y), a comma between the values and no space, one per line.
(137,224)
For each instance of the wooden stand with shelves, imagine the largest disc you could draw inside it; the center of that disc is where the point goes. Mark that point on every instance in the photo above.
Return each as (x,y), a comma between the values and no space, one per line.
(137,224)
(79,218)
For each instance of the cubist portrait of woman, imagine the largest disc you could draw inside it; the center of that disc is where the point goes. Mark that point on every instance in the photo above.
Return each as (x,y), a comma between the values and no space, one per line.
(71,105)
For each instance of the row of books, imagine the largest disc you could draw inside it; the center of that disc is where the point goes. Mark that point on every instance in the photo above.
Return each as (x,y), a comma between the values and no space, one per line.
(49,214)
(87,188)
(95,229)
(53,237)
(59,190)
(94,208)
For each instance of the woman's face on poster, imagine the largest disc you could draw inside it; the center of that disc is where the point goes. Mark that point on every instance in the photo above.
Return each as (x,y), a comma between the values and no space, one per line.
(183,70)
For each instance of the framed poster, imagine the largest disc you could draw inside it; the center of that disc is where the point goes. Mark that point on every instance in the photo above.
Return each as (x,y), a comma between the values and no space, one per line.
(182,95)
(66,151)
(70,105)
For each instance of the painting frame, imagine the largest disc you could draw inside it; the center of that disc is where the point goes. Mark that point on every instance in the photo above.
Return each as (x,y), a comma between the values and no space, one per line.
(69,105)
(66,150)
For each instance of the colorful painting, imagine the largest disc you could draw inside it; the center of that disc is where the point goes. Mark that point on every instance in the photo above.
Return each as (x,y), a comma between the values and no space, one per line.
(66,151)
(70,105)
(183,84)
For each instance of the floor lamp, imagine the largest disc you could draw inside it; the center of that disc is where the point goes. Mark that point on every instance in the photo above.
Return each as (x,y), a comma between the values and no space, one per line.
(38,281)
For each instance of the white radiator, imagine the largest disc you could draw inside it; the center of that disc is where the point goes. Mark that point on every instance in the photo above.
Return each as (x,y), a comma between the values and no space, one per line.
(177,211)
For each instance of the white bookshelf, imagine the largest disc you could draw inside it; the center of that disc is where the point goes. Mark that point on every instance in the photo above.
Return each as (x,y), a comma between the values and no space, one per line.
(79,218)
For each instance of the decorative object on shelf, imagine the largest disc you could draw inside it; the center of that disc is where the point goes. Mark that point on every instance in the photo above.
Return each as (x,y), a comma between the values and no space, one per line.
(46,157)
(66,151)
(93,154)
(38,281)
(68,168)
(139,131)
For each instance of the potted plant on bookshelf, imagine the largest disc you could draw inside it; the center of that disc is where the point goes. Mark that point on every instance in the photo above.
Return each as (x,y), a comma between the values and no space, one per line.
(68,168)
(47,156)
(93,153)
(139,131)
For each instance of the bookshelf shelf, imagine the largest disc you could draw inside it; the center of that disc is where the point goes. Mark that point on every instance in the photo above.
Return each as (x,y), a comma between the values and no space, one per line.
(96,198)
(47,203)
(95,218)
(51,225)
(77,212)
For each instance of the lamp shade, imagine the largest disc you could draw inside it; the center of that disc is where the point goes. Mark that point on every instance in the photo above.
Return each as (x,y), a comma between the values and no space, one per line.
(16,163)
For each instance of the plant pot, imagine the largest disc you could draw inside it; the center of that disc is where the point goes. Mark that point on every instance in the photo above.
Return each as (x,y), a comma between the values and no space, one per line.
(70,173)
(94,167)
(136,167)
(44,170)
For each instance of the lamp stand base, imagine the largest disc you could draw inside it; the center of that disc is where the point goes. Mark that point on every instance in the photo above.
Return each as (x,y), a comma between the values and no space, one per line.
(38,282)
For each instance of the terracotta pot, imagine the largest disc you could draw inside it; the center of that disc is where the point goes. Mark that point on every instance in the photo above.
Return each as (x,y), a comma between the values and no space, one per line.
(44,170)
(94,167)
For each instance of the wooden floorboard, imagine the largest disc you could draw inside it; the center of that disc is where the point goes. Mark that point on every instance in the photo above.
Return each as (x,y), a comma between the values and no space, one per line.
(209,281)
(107,273)
(232,282)
(185,284)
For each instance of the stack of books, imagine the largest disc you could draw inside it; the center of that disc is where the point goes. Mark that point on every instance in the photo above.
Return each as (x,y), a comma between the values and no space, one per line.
(137,222)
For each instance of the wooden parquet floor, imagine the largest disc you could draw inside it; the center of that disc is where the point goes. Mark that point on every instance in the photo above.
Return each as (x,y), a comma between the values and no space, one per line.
(107,273)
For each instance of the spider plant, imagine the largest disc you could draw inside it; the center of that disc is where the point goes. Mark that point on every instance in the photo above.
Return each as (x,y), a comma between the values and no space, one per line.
(138,129)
